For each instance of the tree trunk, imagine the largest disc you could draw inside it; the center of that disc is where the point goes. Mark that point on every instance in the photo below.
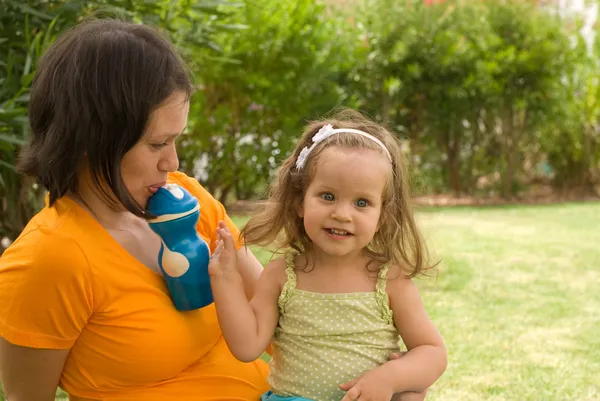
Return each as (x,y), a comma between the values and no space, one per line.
(509,151)
(452,145)
(588,186)
(511,168)
(385,106)
(470,179)
(225,191)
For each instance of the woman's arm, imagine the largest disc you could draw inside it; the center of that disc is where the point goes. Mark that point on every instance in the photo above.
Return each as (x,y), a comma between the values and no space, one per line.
(247,326)
(30,374)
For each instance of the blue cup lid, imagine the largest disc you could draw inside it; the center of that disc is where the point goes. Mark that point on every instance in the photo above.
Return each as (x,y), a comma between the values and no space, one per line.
(171,202)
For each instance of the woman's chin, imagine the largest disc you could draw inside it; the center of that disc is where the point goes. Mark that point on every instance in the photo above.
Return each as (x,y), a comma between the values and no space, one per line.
(143,199)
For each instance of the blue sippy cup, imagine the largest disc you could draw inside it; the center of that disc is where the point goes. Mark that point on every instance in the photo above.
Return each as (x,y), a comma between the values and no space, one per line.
(184,255)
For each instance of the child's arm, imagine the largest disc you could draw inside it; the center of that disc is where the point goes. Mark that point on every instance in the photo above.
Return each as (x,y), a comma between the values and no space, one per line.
(247,326)
(425,360)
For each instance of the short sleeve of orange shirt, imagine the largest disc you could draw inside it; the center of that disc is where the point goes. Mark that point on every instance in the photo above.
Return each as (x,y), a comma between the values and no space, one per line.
(65,283)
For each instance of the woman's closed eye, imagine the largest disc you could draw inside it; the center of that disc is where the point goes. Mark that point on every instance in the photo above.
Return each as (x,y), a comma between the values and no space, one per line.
(158,146)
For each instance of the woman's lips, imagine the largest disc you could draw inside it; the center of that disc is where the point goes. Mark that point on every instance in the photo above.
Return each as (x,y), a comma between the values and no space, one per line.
(154,188)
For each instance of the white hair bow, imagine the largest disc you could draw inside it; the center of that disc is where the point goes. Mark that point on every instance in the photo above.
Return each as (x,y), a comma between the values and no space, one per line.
(325,132)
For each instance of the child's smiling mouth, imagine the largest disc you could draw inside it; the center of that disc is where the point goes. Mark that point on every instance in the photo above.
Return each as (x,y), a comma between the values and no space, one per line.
(338,232)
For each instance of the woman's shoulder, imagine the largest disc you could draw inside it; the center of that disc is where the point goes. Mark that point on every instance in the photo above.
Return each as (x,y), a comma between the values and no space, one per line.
(45,246)
(46,284)
(53,239)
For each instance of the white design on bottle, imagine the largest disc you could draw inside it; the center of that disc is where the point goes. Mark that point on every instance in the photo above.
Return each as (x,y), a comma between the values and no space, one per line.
(174,264)
(174,190)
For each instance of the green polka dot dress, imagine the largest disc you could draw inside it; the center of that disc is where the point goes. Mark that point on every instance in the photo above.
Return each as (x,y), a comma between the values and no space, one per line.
(324,339)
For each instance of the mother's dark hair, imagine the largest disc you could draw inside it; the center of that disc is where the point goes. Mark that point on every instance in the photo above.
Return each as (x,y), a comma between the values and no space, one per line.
(92,97)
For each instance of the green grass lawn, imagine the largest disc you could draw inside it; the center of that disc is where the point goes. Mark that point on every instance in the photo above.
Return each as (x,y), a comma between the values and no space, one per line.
(517,300)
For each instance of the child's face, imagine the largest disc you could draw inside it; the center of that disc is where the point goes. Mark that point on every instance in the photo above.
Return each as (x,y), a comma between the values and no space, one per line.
(343,202)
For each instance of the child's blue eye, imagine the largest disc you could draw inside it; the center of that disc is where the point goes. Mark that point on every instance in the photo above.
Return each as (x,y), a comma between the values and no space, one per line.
(362,203)
(327,196)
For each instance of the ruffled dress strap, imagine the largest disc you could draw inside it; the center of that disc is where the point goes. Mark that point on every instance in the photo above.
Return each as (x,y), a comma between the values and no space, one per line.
(290,283)
(381,295)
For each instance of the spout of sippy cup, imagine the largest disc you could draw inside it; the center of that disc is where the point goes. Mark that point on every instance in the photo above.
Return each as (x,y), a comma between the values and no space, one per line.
(171,202)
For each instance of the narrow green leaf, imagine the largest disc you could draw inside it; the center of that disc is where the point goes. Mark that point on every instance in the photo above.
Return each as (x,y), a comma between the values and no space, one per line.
(231,27)
(28,10)
(11,139)
(8,165)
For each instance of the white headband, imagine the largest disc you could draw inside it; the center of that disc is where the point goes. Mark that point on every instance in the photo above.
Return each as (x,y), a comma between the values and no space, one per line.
(325,132)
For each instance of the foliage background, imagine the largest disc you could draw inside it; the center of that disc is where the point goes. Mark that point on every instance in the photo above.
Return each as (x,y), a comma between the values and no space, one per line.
(491,99)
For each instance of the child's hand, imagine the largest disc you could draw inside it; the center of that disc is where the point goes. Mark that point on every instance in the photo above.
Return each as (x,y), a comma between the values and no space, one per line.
(408,395)
(372,386)
(224,259)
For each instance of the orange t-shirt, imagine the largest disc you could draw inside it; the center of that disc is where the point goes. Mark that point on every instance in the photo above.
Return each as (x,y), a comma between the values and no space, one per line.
(66,283)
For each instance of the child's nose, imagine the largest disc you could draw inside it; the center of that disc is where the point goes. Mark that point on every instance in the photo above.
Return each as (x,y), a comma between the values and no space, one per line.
(342,212)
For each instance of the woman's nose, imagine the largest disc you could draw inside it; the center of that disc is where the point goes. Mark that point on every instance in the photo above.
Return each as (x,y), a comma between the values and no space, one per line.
(169,162)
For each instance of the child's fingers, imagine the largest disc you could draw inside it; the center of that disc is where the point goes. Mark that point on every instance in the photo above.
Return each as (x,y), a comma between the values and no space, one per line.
(218,250)
(225,243)
(228,242)
(348,385)
(223,226)
(224,258)
(352,394)
(397,355)
(221,231)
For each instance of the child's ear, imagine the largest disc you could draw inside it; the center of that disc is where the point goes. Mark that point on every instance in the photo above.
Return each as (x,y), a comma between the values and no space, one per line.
(300,209)
(299,205)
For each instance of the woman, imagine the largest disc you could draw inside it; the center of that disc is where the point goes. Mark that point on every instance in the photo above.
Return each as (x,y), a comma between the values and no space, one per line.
(82,303)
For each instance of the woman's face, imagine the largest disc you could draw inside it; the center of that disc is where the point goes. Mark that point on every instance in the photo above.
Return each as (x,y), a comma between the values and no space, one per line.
(145,166)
